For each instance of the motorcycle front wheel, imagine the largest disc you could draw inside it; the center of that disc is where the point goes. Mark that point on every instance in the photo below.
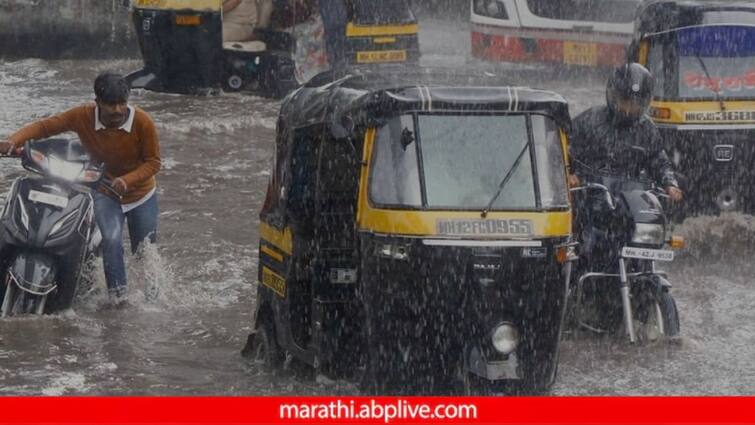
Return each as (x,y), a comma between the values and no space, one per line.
(655,315)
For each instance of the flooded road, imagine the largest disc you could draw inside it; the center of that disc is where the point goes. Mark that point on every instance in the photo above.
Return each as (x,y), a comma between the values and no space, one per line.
(216,155)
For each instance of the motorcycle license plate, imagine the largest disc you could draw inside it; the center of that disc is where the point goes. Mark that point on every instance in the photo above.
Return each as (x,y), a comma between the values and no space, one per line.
(647,254)
(48,198)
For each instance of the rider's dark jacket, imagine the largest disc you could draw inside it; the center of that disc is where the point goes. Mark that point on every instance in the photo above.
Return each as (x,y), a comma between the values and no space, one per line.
(633,150)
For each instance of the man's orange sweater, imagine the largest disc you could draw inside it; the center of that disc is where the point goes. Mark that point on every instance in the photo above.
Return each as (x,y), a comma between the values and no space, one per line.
(133,156)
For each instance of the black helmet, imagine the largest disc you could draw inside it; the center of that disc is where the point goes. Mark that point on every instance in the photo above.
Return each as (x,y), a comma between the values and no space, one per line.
(629,92)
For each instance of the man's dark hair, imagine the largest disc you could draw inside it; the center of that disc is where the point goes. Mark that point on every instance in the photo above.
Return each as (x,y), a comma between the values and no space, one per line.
(111,88)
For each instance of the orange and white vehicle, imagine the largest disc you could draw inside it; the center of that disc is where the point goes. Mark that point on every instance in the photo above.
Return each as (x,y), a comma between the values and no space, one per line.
(571,32)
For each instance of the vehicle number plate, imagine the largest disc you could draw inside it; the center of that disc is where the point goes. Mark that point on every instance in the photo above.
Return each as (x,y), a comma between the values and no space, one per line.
(381,56)
(585,54)
(48,198)
(188,20)
(647,254)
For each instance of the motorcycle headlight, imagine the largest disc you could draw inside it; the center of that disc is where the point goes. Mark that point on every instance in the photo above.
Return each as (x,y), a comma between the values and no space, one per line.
(648,234)
(491,8)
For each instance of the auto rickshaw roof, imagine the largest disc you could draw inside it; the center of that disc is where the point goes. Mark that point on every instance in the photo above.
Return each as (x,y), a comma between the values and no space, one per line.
(657,16)
(370,96)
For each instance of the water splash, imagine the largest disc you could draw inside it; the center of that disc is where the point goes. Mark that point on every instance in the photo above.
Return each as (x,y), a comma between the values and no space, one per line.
(727,237)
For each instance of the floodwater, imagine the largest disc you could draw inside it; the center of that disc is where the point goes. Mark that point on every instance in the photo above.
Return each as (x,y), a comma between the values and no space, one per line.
(216,155)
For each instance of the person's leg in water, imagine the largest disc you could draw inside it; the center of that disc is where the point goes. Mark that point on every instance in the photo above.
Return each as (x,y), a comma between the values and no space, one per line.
(142,226)
(109,216)
(142,223)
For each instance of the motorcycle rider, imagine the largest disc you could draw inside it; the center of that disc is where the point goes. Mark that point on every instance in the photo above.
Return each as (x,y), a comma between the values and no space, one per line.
(619,136)
(620,139)
(124,138)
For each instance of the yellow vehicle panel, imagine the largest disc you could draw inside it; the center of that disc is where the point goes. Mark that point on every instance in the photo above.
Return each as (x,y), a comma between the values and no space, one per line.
(200,5)
(281,239)
(735,112)
(380,31)
(505,225)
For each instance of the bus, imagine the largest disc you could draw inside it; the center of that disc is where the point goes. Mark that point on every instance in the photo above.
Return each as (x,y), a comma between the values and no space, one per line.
(591,33)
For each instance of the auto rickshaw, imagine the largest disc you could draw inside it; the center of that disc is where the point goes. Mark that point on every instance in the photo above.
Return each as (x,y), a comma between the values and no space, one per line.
(183,50)
(417,227)
(702,54)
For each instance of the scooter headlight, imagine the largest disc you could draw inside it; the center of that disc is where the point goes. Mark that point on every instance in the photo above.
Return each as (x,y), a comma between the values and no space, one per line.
(648,234)
(505,338)
(63,169)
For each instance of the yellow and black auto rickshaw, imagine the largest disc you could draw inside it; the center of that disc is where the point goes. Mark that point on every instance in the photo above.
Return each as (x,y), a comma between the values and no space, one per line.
(702,54)
(418,227)
(182,45)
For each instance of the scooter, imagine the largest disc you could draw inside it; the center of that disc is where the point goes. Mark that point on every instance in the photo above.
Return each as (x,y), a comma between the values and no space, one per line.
(48,228)
(624,234)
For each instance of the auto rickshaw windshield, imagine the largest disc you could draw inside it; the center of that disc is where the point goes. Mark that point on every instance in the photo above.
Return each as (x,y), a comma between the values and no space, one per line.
(708,62)
(458,162)
(384,12)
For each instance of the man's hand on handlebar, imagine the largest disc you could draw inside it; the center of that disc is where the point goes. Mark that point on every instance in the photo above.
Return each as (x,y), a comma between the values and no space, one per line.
(119,185)
(674,193)
(573,181)
(7,148)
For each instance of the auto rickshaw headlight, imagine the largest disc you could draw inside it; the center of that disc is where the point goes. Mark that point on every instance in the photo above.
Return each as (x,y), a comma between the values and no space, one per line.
(505,338)
(648,234)
(393,251)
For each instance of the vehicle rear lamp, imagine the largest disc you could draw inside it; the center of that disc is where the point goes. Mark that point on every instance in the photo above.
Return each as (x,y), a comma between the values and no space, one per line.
(188,20)
(660,113)
(89,176)
(677,242)
(39,158)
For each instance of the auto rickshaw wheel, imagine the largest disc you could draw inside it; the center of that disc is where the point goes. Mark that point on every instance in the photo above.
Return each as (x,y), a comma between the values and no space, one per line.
(262,347)
(473,385)
(233,83)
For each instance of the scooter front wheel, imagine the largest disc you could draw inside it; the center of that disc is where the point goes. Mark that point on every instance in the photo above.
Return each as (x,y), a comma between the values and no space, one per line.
(18,302)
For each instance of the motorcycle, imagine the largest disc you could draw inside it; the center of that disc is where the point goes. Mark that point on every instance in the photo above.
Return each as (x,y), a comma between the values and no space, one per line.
(48,228)
(624,234)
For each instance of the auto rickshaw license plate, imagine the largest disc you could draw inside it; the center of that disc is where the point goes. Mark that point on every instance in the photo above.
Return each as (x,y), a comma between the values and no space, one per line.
(188,20)
(381,56)
(580,53)
(647,254)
